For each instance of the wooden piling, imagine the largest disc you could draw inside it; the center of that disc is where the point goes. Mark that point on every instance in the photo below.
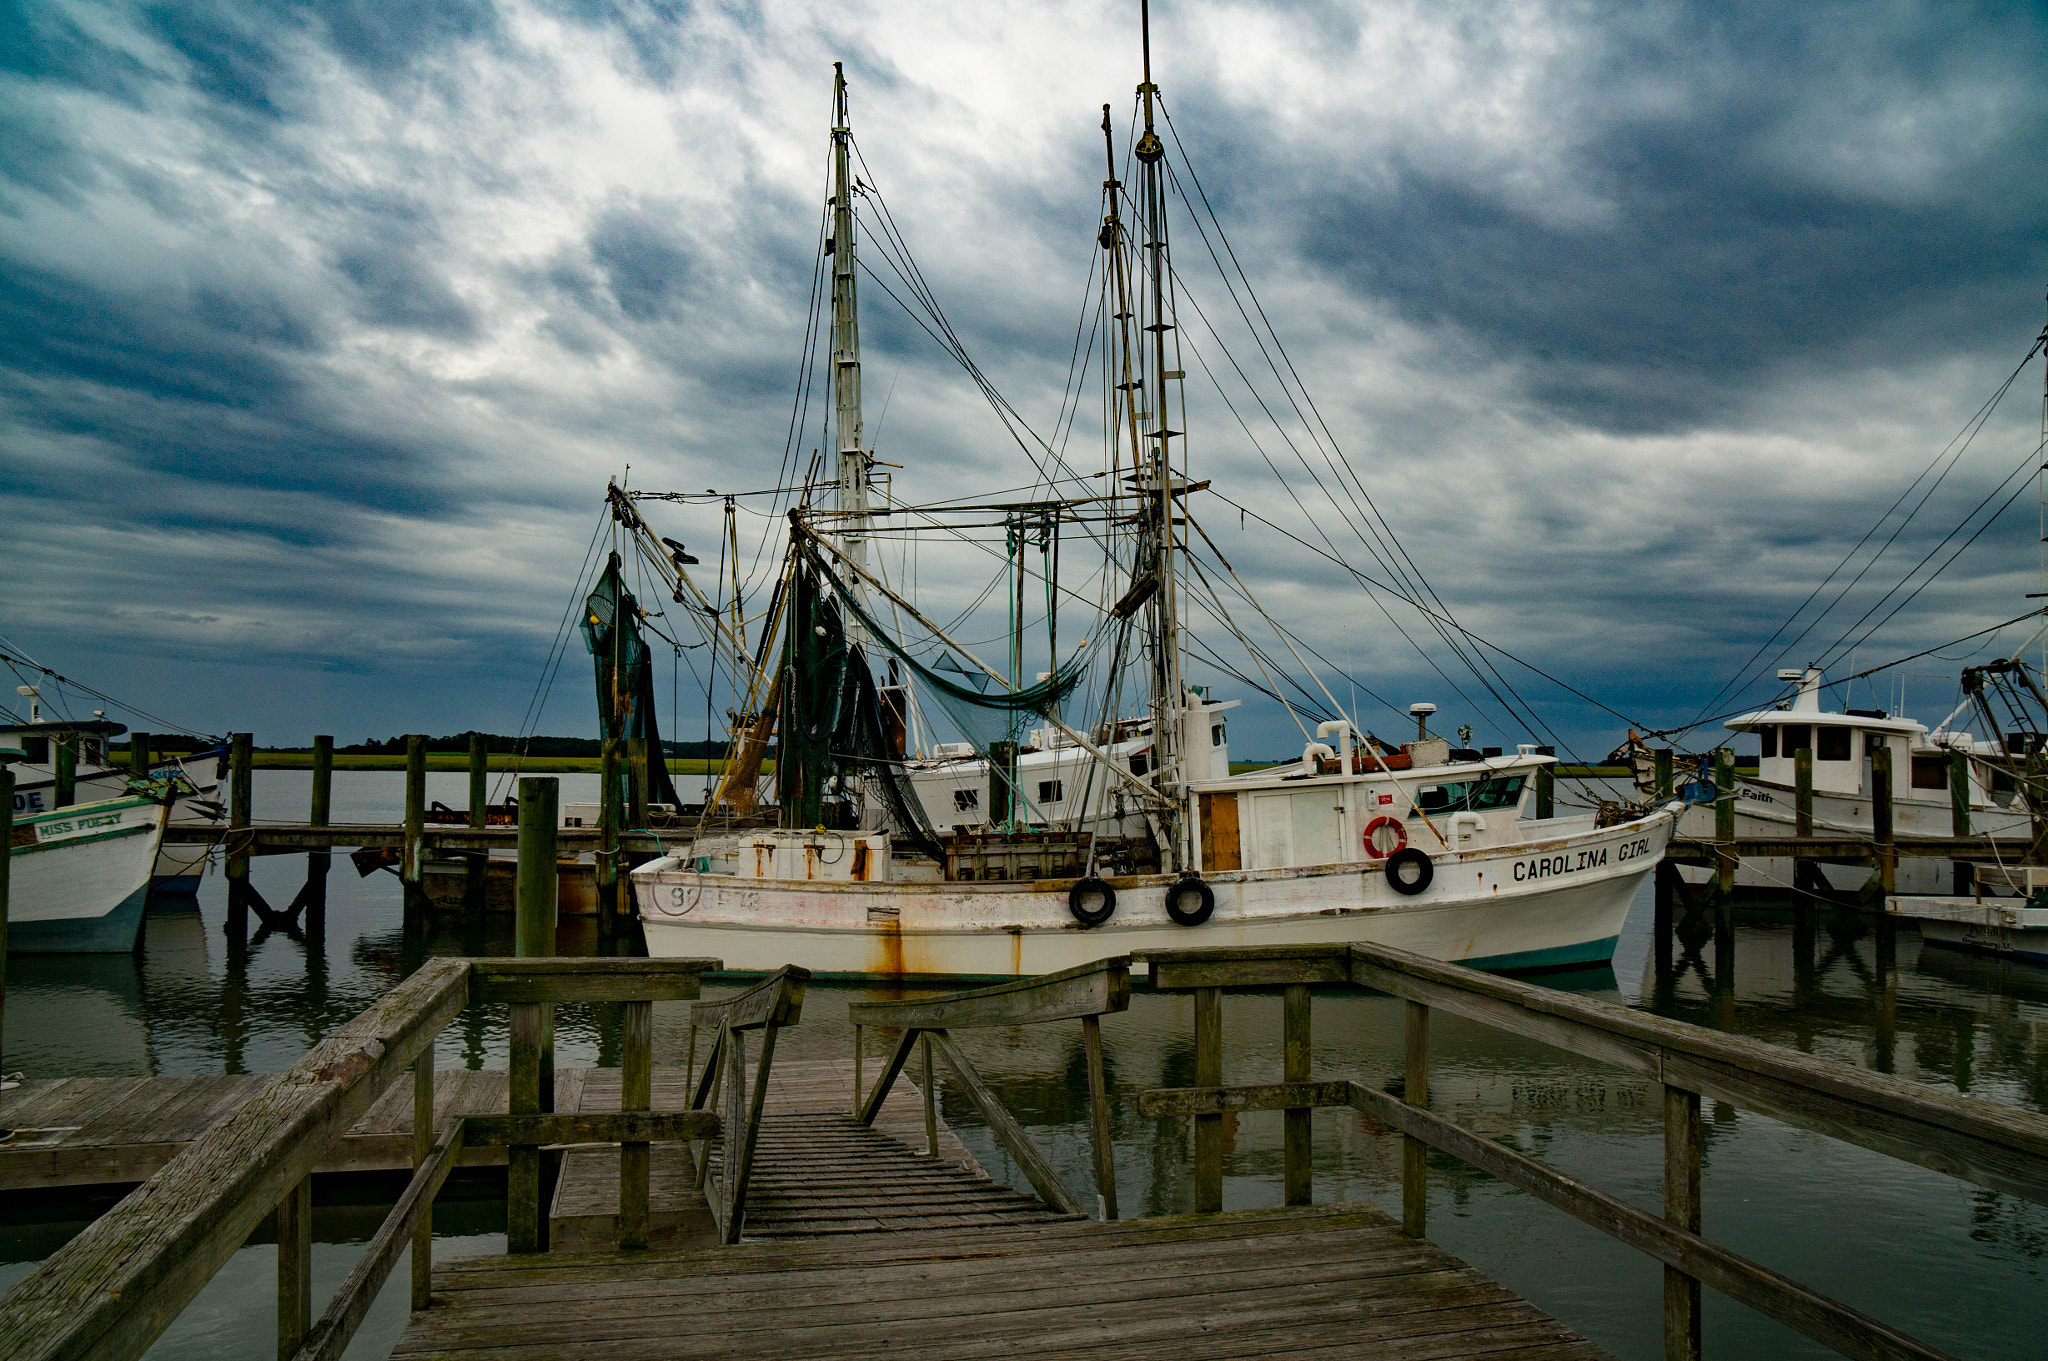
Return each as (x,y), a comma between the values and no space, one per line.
(1724,820)
(608,824)
(6,839)
(1297,1146)
(1662,758)
(1098,1112)
(474,878)
(636,765)
(1802,776)
(1959,792)
(1208,1073)
(65,760)
(320,812)
(1415,1091)
(1682,1208)
(533,1066)
(636,1093)
(294,1268)
(1663,923)
(931,1100)
(1546,792)
(422,1149)
(412,850)
(1881,818)
(138,754)
(241,794)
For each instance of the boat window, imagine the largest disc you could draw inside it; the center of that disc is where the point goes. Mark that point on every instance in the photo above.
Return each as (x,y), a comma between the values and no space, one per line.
(1139,765)
(36,750)
(1930,772)
(1215,734)
(1832,744)
(1767,740)
(966,800)
(1477,796)
(1792,737)
(1049,791)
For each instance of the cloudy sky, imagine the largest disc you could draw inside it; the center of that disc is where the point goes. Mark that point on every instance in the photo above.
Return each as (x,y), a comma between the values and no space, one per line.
(322,327)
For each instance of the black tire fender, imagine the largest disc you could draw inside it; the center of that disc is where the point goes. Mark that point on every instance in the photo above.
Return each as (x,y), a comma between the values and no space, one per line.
(1409,871)
(1204,901)
(1083,893)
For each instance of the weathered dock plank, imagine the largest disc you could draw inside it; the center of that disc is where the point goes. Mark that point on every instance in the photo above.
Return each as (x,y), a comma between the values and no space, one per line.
(1302,1281)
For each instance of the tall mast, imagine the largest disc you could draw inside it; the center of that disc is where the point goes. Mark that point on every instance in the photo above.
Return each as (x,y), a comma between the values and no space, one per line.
(1156,483)
(853,459)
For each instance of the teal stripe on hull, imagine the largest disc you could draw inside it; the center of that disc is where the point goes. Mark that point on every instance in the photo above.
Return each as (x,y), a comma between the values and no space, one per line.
(115,933)
(1558,957)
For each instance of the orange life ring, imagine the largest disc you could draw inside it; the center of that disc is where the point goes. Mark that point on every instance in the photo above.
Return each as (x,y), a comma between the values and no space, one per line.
(1378,847)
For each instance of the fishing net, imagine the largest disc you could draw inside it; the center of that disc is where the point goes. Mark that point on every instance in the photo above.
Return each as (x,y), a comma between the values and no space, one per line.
(625,677)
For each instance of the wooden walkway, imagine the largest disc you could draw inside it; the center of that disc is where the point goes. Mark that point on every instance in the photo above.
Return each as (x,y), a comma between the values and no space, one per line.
(1318,1281)
(817,1172)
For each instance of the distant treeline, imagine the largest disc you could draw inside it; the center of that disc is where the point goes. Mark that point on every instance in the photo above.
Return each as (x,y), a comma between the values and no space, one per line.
(499,745)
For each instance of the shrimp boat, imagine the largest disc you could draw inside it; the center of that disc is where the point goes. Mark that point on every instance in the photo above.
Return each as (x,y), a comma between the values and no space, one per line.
(79,875)
(1091,811)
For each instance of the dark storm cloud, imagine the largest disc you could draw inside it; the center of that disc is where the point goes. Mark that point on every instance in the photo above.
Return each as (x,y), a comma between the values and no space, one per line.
(1720,251)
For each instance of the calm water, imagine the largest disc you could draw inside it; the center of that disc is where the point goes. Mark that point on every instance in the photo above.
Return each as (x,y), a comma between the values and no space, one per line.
(1953,1264)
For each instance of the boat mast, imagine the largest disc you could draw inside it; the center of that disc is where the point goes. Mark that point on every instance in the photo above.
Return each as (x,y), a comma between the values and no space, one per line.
(1155,482)
(852,502)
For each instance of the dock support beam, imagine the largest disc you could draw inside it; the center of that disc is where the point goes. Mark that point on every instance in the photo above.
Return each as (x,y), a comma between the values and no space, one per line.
(1098,1114)
(1414,1091)
(138,754)
(1546,792)
(475,881)
(294,1268)
(320,812)
(1724,862)
(64,757)
(6,839)
(527,1188)
(1208,1073)
(1881,819)
(1662,759)
(240,795)
(1682,1208)
(1297,1147)
(412,849)
(608,823)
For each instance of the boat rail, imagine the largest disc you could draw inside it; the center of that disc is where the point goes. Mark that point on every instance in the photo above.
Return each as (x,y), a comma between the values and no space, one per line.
(1974,1140)
(115,1287)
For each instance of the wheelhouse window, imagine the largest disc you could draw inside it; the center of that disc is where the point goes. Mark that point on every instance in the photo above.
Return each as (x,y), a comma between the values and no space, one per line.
(1930,772)
(1049,791)
(966,800)
(1767,741)
(1475,796)
(1831,744)
(1140,764)
(1215,734)
(1792,737)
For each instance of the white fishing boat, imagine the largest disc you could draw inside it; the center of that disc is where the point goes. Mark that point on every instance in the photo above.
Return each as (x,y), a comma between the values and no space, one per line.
(78,877)
(1923,799)
(1077,827)
(192,777)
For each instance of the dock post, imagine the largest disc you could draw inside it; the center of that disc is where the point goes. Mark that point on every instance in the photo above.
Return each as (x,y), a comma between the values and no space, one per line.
(412,848)
(422,1148)
(475,876)
(64,757)
(6,839)
(636,1093)
(1297,1150)
(1662,758)
(931,1100)
(1663,923)
(138,754)
(1724,819)
(1881,818)
(240,792)
(294,1268)
(1546,792)
(1098,1119)
(533,1040)
(608,832)
(1208,1073)
(1963,874)
(319,812)
(636,764)
(1802,774)
(1414,1091)
(1682,1208)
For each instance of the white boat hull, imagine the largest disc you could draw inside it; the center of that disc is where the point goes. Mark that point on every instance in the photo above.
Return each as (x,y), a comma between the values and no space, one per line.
(1553,902)
(2000,926)
(78,880)
(179,868)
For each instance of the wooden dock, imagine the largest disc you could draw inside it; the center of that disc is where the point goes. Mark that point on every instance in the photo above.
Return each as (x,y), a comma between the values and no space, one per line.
(1304,1282)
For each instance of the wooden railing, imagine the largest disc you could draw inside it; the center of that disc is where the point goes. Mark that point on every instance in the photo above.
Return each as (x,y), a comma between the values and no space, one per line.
(1977,1141)
(1086,993)
(774,1002)
(114,1288)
